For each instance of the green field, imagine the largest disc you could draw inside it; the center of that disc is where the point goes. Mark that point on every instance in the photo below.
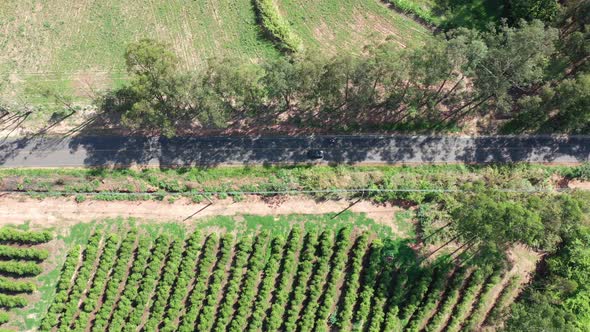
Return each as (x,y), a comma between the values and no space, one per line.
(291,273)
(76,48)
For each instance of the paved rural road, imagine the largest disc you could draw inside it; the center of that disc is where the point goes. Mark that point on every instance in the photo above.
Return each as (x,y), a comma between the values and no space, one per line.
(105,151)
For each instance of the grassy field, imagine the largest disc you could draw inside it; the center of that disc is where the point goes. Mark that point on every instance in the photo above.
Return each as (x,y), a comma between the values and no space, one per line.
(295,272)
(76,48)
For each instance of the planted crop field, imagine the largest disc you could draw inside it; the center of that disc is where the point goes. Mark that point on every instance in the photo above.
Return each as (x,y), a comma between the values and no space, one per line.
(77,47)
(292,276)
(21,260)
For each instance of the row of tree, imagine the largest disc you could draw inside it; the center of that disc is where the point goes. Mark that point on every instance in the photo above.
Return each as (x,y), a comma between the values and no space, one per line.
(530,71)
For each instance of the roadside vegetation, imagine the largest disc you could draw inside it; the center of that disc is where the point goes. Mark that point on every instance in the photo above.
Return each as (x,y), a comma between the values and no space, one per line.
(422,182)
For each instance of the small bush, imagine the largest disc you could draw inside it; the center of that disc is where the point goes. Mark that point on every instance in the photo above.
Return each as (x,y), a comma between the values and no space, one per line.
(275,24)
(80,198)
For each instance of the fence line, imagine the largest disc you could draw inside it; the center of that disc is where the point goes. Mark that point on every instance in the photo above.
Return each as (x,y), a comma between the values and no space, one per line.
(288,192)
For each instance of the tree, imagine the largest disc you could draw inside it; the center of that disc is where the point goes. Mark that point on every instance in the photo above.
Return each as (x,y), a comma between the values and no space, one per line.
(503,62)
(544,10)
(563,108)
(155,88)
(496,222)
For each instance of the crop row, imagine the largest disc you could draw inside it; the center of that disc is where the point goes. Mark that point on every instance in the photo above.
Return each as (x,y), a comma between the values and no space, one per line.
(275,320)
(270,272)
(12,235)
(352,282)
(187,274)
(148,282)
(31,254)
(170,276)
(80,282)
(63,286)
(316,286)
(14,286)
(199,291)
(205,319)
(117,276)
(479,311)
(464,306)
(248,291)
(276,25)
(106,261)
(369,281)
(125,303)
(337,265)
(450,299)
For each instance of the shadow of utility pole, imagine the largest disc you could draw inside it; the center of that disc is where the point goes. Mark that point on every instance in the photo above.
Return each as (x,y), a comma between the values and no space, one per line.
(201,209)
(347,208)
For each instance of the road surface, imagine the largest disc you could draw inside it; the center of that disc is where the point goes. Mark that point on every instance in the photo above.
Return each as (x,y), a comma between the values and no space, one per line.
(210,151)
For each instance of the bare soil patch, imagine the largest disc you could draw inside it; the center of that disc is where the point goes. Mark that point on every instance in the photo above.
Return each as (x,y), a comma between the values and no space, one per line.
(578,184)
(62,212)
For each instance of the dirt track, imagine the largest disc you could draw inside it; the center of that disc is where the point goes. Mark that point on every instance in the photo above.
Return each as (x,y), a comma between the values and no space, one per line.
(56,212)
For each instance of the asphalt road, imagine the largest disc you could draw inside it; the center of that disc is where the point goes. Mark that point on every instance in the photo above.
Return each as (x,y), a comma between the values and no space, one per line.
(210,151)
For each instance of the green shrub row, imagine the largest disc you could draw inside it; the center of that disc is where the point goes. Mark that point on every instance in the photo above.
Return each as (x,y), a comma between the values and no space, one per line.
(105,263)
(165,285)
(352,282)
(232,287)
(125,304)
(465,304)
(90,254)
(451,296)
(248,292)
(500,306)
(383,292)
(338,264)
(199,291)
(276,25)
(12,301)
(279,306)
(369,282)
(149,282)
(32,254)
(266,286)
(281,293)
(314,288)
(419,293)
(11,235)
(186,275)
(20,268)
(415,321)
(68,270)
(413,8)
(479,310)
(117,276)
(12,286)
(392,321)
(206,317)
